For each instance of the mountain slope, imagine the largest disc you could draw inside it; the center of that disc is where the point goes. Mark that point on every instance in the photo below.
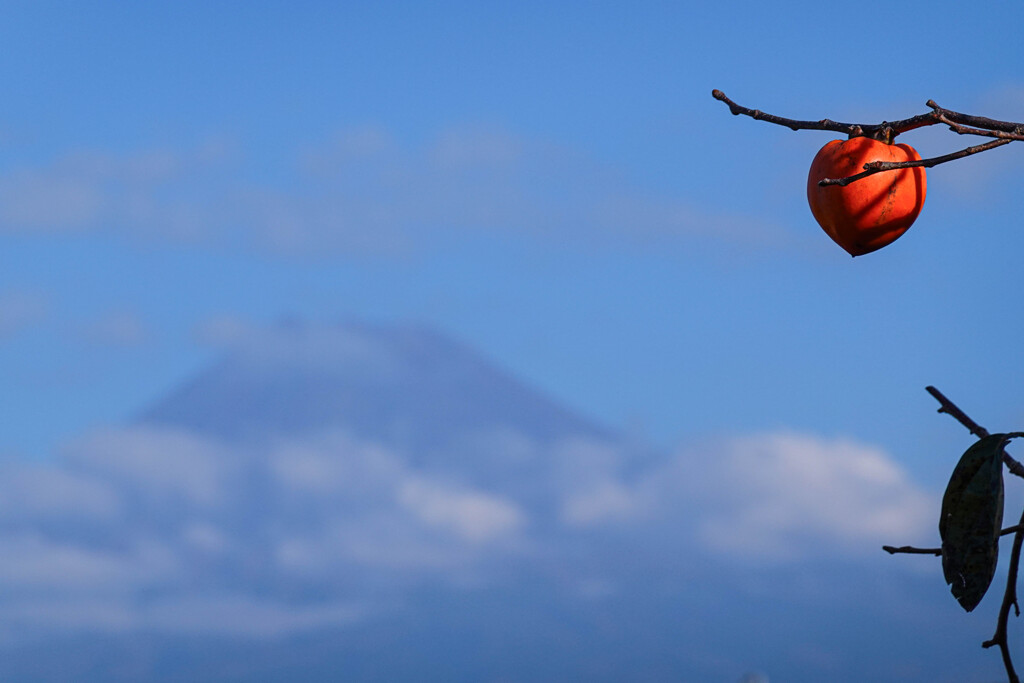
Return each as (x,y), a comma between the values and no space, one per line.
(367,503)
(408,386)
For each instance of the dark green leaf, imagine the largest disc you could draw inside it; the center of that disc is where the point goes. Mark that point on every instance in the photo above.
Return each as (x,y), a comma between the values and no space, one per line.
(972,517)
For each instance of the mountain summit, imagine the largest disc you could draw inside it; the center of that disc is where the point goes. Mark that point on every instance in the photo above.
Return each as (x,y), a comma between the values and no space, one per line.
(408,386)
(364,503)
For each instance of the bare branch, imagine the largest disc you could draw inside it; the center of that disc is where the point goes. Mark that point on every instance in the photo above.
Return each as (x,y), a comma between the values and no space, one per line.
(976,121)
(951,409)
(963,124)
(885,131)
(968,124)
(967,130)
(851,129)
(880,166)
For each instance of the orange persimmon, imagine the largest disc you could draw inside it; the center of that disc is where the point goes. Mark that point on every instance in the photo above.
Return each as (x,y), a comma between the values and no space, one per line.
(874,211)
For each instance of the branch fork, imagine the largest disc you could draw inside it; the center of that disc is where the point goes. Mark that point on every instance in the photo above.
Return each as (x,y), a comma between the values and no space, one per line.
(1004,133)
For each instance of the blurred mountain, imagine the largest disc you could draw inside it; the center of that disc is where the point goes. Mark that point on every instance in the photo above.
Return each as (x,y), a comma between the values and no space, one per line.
(406,385)
(438,405)
(365,502)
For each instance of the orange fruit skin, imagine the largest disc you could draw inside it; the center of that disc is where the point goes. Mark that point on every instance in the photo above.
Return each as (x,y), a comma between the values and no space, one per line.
(872,212)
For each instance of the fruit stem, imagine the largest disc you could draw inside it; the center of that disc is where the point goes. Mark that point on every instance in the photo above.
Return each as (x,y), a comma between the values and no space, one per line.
(884,133)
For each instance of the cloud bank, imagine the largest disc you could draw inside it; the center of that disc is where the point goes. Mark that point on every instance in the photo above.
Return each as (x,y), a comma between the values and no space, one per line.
(790,496)
(170,531)
(219,512)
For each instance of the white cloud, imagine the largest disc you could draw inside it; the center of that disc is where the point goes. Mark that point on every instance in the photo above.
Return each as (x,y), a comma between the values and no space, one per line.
(591,483)
(792,496)
(152,191)
(385,542)
(175,532)
(334,464)
(29,560)
(241,615)
(161,462)
(472,515)
(203,615)
(607,500)
(319,503)
(47,491)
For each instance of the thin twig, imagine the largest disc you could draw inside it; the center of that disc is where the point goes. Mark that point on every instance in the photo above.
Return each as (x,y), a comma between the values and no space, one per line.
(967,130)
(975,121)
(951,409)
(874,167)
(911,550)
(851,129)
(937,552)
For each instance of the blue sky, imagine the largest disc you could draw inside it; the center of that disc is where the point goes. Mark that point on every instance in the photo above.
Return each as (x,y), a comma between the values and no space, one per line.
(550,183)
(600,224)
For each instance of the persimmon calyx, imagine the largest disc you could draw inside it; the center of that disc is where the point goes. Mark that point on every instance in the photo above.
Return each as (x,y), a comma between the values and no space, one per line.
(884,133)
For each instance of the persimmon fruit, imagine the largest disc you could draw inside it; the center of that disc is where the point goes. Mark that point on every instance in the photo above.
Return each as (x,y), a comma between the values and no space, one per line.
(874,211)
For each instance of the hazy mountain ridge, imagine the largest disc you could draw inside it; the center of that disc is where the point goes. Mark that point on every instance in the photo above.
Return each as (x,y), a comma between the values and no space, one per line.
(409,386)
(327,496)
